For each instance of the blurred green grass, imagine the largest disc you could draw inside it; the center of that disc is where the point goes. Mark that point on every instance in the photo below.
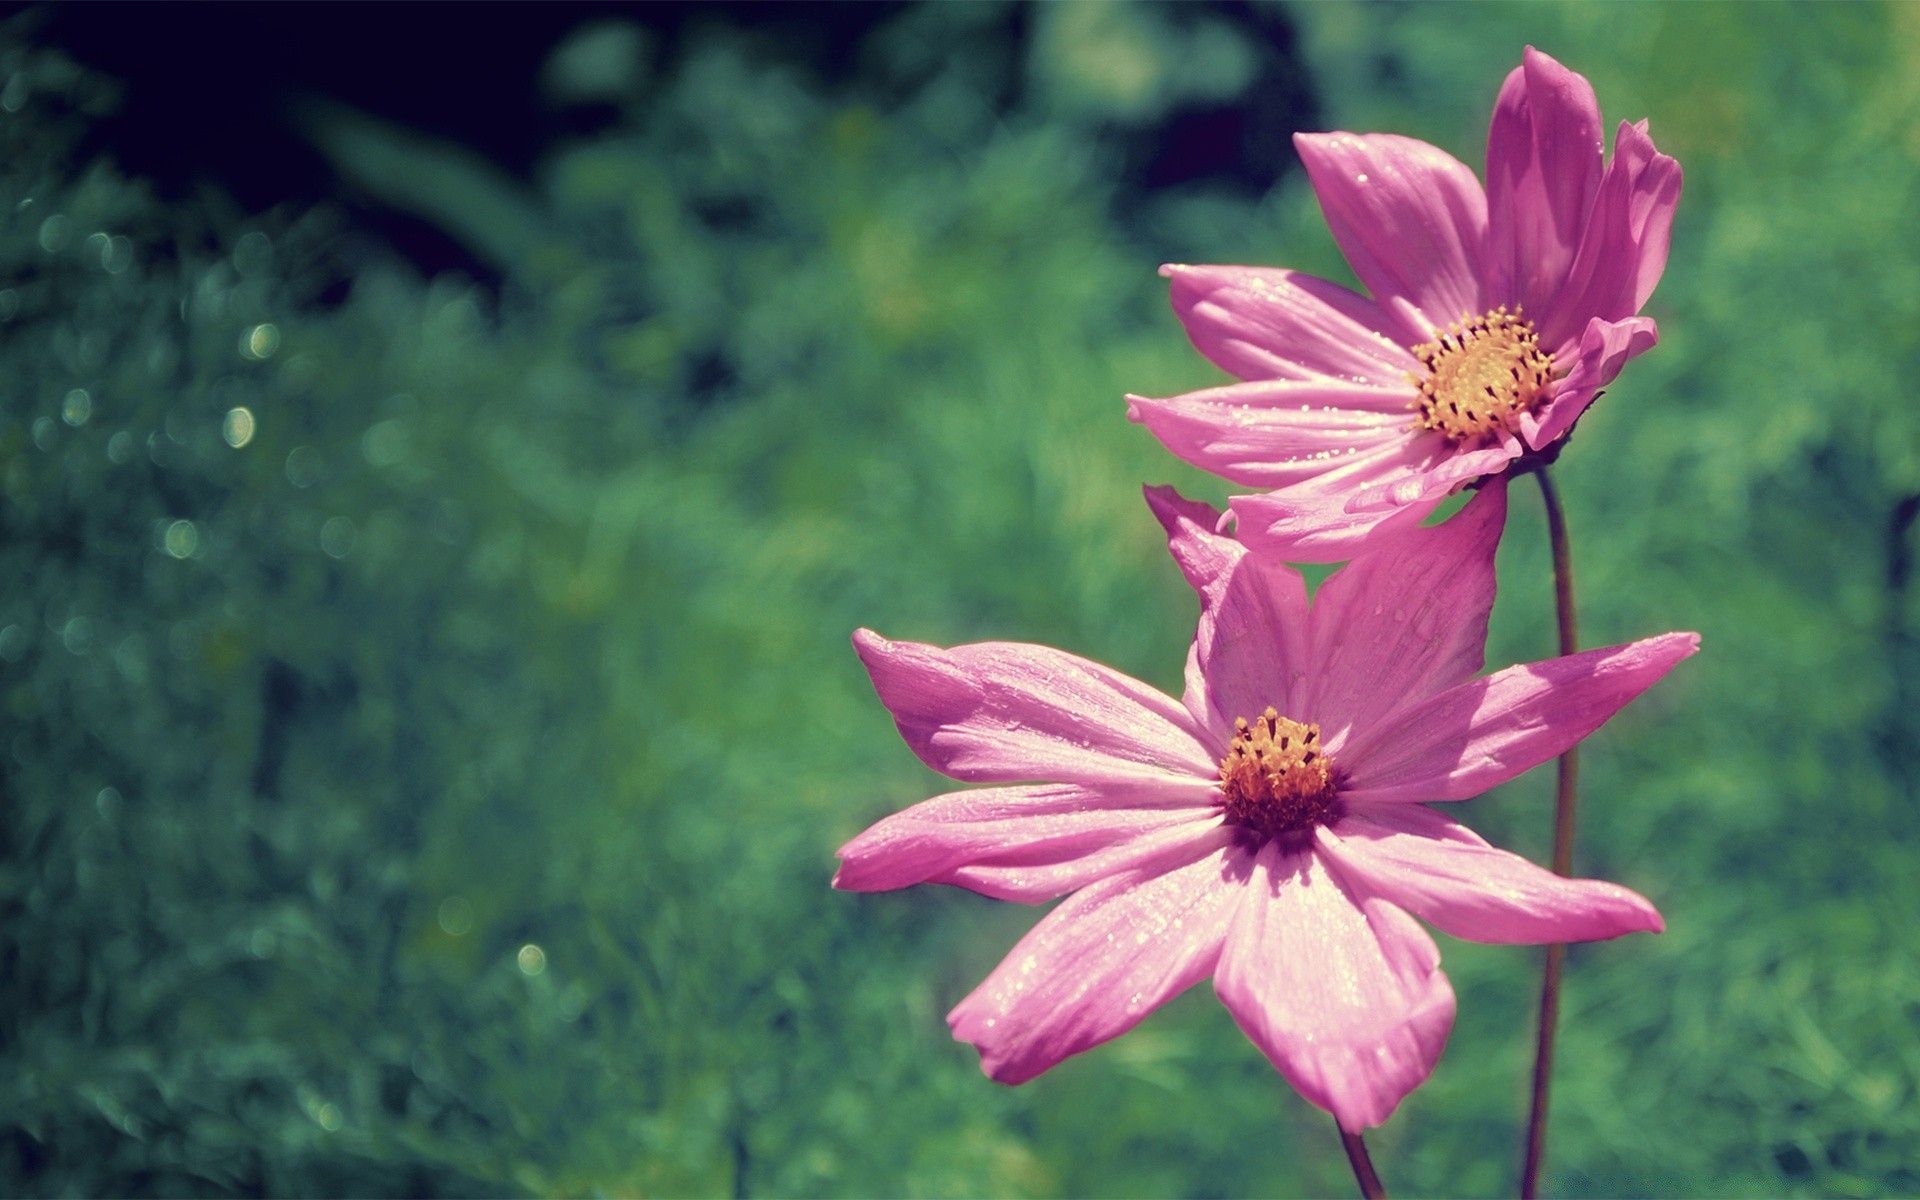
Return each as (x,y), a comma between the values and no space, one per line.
(520,621)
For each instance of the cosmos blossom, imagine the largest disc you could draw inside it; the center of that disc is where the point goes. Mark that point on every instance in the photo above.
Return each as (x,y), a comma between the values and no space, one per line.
(1496,316)
(1269,829)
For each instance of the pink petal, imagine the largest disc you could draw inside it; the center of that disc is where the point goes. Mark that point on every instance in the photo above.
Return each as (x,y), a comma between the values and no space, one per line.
(1279,431)
(1204,554)
(1443,873)
(1395,627)
(1250,646)
(1105,958)
(1265,323)
(1042,841)
(1471,737)
(1604,349)
(1411,220)
(1624,249)
(1339,989)
(1030,877)
(1341,515)
(1005,712)
(1440,477)
(1545,154)
(1306,524)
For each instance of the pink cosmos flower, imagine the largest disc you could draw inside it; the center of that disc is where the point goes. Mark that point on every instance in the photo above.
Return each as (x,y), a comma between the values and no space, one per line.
(1268,830)
(1496,317)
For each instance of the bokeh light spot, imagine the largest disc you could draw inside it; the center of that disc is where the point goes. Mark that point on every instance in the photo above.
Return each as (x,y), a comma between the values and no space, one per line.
(260,341)
(182,539)
(77,407)
(120,447)
(533,960)
(337,536)
(385,443)
(303,466)
(117,255)
(13,643)
(238,427)
(53,233)
(77,635)
(253,255)
(456,916)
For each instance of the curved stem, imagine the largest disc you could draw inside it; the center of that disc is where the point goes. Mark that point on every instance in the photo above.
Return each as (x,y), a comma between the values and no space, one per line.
(1363,1172)
(1565,795)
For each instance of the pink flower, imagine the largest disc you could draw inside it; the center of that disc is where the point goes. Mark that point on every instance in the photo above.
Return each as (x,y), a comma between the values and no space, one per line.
(1496,317)
(1268,829)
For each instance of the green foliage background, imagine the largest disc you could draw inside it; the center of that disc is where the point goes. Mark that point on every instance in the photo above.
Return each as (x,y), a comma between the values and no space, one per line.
(437,793)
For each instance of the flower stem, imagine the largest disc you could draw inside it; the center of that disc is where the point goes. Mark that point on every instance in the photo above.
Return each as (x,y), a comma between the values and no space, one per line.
(1363,1172)
(1563,805)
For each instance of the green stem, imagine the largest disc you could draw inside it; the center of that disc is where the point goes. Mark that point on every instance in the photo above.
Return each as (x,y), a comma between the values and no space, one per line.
(1565,796)
(1363,1172)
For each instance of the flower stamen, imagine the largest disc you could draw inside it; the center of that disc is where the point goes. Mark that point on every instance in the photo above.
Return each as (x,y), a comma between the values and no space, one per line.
(1276,779)
(1481,374)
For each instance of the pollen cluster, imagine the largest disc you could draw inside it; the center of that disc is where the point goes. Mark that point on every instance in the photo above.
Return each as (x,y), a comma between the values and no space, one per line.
(1481,374)
(1275,780)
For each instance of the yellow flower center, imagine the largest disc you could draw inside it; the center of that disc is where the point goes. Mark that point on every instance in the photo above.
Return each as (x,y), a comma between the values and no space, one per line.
(1275,780)
(1482,373)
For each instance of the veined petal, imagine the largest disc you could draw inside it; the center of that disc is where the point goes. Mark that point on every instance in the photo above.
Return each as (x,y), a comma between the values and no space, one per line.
(1366,504)
(1545,155)
(1050,826)
(1034,874)
(1604,349)
(1474,736)
(1311,522)
(1267,323)
(1624,249)
(1394,627)
(1205,555)
(1339,989)
(1442,872)
(1411,219)
(1105,958)
(1278,431)
(1445,470)
(1006,712)
(1250,646)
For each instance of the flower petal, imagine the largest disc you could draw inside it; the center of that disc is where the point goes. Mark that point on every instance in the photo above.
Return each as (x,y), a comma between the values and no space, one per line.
(1034,874)
(1279,431)
(1474,736)
(1604,349)
(1411,219)
(1309,524)
(1043,840)
(1339,989)
(1205,555)
(1105,958)
(1444,472)
(1545,155)
(1624,249)
(1006,712)
(1362,507)
(1251,642)
(1442,872)
(1267,323)
(1395,627)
